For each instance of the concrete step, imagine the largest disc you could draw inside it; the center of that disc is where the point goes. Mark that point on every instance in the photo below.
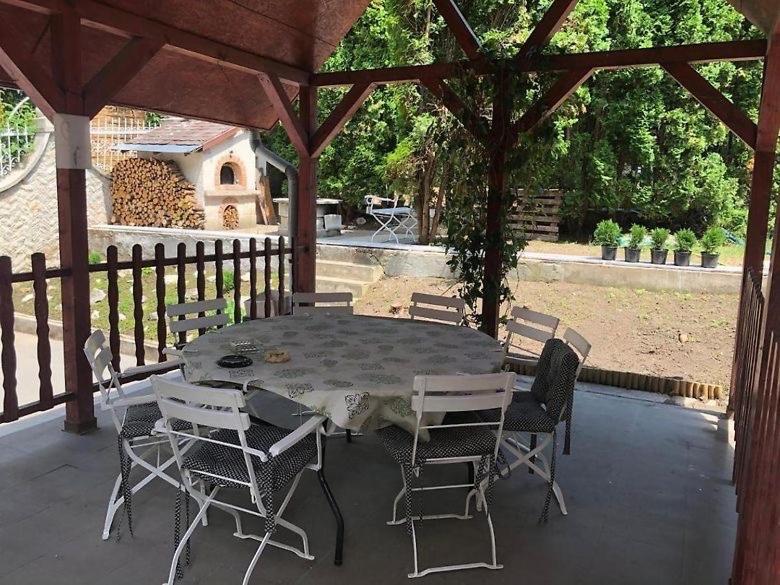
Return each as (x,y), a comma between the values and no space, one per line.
(348,270)
(328,284)
(330,253)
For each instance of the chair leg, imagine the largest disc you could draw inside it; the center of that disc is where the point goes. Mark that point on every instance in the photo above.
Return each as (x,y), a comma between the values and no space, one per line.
(112,508)
(348,434)
(334,507)
(183,542)
(521,452)
(256,558)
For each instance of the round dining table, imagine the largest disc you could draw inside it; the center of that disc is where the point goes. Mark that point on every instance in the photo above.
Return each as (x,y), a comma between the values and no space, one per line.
(356,370)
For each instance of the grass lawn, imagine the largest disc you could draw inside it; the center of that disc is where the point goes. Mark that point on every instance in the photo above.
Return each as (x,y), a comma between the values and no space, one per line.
(729,255)
(24,301)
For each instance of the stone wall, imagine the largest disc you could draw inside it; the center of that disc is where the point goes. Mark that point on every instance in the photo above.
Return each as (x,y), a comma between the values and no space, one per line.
(28,205)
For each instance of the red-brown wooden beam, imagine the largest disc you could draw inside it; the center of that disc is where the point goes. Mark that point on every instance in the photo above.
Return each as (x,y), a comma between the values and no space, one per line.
(340,115)
(72,216)
(558,93)
(712,99)
(459,28)
(695,53)
(550,23)
(126,24)
(497,150)
(305,227)
(287,115)
(472,122)
(118,72)
(29,76)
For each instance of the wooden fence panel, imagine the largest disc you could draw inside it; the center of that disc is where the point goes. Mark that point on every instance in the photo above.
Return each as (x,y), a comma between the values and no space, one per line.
(537,215)
(7,337)
(138,305)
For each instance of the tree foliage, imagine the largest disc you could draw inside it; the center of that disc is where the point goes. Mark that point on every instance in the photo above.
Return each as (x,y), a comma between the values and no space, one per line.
(629,144)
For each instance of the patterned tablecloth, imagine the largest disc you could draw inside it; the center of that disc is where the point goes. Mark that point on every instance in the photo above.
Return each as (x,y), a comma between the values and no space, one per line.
(356,370)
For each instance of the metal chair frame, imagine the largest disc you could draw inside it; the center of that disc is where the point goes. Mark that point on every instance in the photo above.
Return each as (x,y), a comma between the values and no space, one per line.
(456,393)
(221,409)
(114,397)
(390,217)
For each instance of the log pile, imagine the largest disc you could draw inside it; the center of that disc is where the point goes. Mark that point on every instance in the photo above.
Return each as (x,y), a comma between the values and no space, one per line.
(147,192)
(230,217)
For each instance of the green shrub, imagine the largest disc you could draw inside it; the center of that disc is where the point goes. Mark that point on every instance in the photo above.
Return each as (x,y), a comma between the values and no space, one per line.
(94,257)
(636,236)
(659,238)
(713,240)
(227,281)
(607,233)
(685,240)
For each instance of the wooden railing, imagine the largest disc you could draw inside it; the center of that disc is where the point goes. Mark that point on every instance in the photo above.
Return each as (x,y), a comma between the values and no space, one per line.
(222,261)
(746,365)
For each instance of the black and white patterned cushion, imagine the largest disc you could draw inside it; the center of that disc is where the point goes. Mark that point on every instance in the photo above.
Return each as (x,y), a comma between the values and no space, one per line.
(448,442)
(141,418)
(523,416)
(230,462)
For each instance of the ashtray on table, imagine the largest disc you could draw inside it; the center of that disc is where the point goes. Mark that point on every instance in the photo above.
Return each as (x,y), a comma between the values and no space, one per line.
(234,361)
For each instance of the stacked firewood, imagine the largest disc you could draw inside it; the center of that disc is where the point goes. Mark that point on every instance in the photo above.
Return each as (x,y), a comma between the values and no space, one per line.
(230,218)
(147,192)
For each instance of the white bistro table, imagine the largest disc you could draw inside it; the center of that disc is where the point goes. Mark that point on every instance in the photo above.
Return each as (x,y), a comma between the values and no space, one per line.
(356,370)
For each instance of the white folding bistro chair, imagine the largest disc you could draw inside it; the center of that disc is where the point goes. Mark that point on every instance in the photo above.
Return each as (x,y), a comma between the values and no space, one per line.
(322,302)
(527,332)
(179,323)
(538,414)
(440,308)
(258,457)
(391,218)
(134,412)
(579,344)
(472,441)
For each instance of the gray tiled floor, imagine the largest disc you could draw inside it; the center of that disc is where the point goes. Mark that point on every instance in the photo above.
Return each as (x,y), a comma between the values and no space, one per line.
(647,486)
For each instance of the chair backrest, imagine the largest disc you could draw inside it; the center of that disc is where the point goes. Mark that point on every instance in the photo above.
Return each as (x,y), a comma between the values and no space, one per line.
(555,378)
(213,408)
(375,201)
(326,302)
(456,393)
(579,344)
(99,357)
(526,325)
(180,324)
(441,308)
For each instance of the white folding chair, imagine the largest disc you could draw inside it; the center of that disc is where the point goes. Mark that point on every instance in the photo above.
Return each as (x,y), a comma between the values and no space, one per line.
(322,302)
(527,332)
(579,344)
(180,324)
(391,218)
(441,308)
(470,441)
(134,412)
(258,457)
(539,412)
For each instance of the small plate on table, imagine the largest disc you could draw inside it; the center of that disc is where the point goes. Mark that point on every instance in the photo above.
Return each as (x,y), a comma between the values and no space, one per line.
(234,361)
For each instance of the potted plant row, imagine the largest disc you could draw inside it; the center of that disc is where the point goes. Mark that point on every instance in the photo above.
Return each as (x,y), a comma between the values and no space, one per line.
(608,235)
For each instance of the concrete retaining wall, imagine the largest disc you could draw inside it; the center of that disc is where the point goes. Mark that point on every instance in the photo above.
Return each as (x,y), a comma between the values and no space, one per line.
(432,262)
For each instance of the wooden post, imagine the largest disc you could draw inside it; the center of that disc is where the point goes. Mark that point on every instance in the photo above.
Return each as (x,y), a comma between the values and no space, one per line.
(493,237)
(761,185)
(305,236)
(755,559)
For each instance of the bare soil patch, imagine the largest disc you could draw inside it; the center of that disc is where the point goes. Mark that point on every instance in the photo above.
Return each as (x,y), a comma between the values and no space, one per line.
(690,335)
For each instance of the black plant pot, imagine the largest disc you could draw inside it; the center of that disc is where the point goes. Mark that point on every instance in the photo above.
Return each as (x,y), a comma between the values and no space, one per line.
(608,252)
(633,254)
(682,258)
(709,260)
(658,256)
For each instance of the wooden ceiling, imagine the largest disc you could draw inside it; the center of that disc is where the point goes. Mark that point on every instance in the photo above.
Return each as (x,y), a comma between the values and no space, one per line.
(212,49)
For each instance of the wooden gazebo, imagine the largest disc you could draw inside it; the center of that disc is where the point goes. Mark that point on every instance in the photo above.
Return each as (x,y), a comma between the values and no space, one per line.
(244,63)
